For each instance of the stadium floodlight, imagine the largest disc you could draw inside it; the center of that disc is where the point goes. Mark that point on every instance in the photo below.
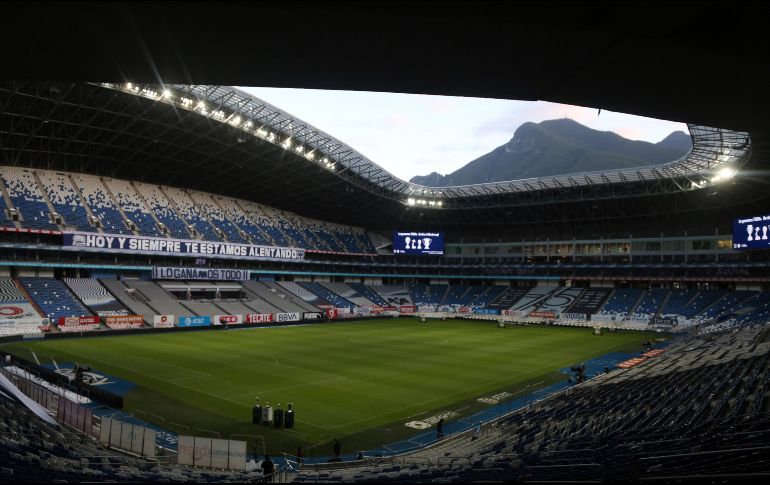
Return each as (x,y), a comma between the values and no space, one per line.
(410,201)
(237,120)
(129,86)
(440,203)
(287,143)
(248,124)
(724,174)
(166,93)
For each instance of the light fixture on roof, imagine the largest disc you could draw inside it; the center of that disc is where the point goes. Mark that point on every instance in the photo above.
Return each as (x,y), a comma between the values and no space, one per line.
(724,174)
(166,93)
(410,201)
(129,85)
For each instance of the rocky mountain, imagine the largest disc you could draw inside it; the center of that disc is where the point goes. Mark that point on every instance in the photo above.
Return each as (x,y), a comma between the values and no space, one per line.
(559,147)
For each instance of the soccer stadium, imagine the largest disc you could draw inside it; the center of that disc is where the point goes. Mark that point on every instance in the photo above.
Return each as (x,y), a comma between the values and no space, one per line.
(197,285)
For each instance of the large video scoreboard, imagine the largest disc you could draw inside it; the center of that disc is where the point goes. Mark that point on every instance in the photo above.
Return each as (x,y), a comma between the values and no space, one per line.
(421,243)
(751,233)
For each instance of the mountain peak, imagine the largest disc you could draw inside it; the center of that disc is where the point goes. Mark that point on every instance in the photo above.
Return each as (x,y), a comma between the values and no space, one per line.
(558,147)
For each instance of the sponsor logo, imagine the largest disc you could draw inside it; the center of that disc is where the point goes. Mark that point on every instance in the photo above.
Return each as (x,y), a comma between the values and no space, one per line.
(494,399)
(332,313)
(259,318)
(574,316)
(126,319)
(79,240)
(163,320)
(91,378)
(428,422)
(463,309)
(65,321)
(229,319)
(407,309)
(287,317)
(10,311)
(551,315)
(312,315)
(195,321)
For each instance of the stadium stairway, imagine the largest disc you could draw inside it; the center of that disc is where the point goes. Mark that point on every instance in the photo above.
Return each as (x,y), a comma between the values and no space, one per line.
(129,299)
(271,293)
(157,298)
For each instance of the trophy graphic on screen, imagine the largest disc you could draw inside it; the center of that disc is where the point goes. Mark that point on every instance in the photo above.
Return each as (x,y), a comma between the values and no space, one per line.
(749,229)
(756,233)
(419,244)
(764,233)
(407,239)
(427,242)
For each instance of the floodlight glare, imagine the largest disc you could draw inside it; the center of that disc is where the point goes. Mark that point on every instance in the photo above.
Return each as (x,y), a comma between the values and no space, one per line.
(727,173)
(166,93)
(410,201)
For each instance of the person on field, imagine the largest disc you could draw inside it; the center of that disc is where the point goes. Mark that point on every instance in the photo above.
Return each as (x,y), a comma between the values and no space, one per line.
(268,468)
(440,429)
(336,448)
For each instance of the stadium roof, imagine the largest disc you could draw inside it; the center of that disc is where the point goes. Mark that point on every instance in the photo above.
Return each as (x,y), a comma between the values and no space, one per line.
(662,59)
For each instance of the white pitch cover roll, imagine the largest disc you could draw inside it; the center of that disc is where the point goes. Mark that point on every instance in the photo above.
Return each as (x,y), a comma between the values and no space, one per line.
(104,432)
(237,455)
(202,451)
(219,453)
(185,450)
(149,442)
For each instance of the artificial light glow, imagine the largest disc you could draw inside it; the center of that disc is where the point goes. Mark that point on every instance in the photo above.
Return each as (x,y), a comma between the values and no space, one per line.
(725,174)
(166,93)
(410,201)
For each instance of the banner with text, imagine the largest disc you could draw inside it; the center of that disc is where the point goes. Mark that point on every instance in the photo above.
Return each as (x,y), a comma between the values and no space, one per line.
(163,321)
(288,317)
(204,321)
(228,319)
(65,321)
(259,318)
(115,243)
(169,273)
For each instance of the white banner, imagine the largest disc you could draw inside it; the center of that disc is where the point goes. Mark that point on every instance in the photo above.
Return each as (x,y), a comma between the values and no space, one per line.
(170,273)
(259,318)
(312,315)
(163,321)
(149,442)
(115,431)
(202,455)
(137,439)
(237,454)
(227,319)
(116,243)
(104,432)
(288,317)
(219,453)
(186,450)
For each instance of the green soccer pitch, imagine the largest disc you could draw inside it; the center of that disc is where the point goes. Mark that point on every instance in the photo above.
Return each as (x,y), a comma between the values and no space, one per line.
(359,382)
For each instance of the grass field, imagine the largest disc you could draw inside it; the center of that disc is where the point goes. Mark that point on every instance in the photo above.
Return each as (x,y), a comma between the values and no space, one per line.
(356,381)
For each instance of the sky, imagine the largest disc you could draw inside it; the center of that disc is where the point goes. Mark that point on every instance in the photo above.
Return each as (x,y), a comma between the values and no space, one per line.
(413,134)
